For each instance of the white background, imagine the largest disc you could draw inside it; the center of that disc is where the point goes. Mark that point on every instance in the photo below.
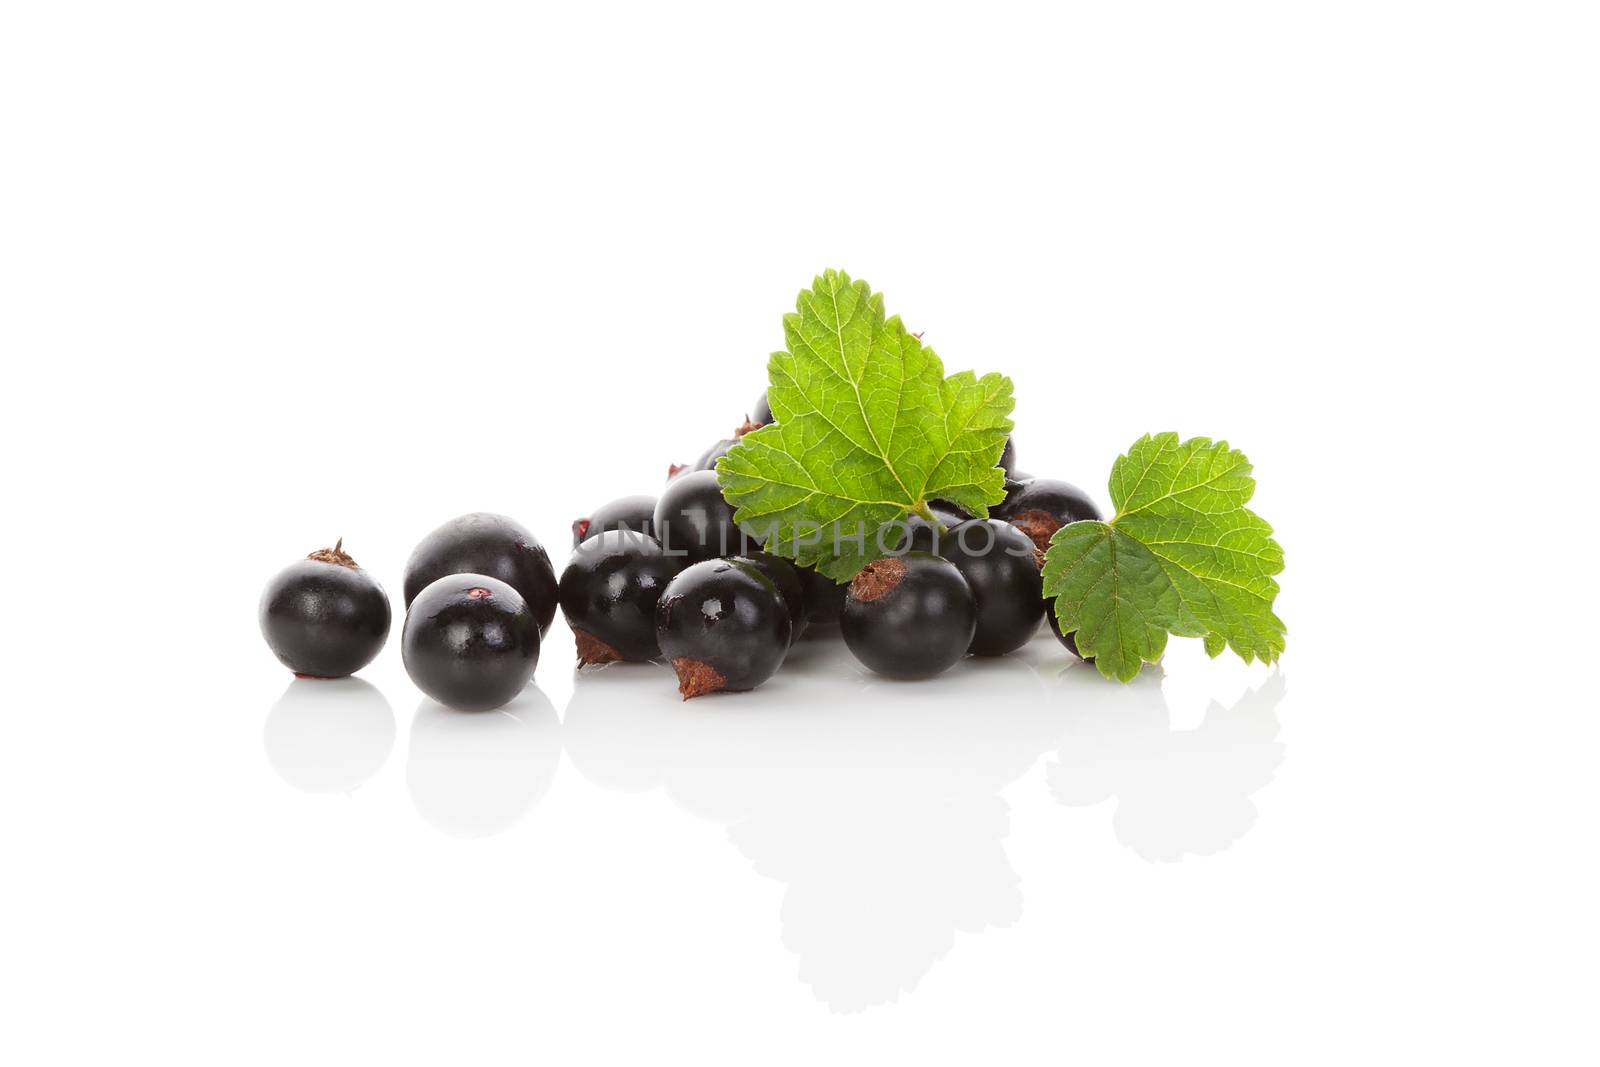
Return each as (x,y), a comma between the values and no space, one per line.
(274,274)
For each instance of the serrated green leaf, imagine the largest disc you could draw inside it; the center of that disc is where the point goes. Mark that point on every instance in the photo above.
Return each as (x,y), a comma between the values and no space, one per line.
(867,430)
(1119,599)
(1182,555)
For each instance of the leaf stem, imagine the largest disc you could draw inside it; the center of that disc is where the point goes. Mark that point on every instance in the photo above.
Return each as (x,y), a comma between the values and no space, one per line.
(921,508)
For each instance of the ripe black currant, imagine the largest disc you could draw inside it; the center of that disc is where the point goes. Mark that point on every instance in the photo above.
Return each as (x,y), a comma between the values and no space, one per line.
(723,626)
(910,616)
(761,415)
(1042,506)
(483,543)
(1008,458)
(692,520)
(609,592)
(708,458)
(470,642)
(824,599)
(323,616)
(636,513)
(783,574)
(1001,567)
(1014,483)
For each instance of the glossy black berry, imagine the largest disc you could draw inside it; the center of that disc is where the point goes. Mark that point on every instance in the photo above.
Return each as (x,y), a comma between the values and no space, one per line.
(723,626)
(824,599)
(1013,484)
(484,543)
(708,458)
(694,522)
(609,592)
(323,616)
(470,642)
(1001,567)
(786,578)
(909,616)
(636,513)
(1008,458)
(1042,506)
(761,415)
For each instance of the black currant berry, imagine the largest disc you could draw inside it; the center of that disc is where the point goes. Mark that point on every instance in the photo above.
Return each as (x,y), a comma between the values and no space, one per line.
(636,513)
(609,592)
(708,458)
(723,626)
(909,616)
(1068,641)
(1042,506)
(470,642)
(483,543)
(1008,457)
(762,415)
(323,616)
(782,574)
(1013,484)
(824,599)
(1001,566)
(692,520)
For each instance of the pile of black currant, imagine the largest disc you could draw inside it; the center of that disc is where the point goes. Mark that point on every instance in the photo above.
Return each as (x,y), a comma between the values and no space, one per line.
(674,578)
(480,594)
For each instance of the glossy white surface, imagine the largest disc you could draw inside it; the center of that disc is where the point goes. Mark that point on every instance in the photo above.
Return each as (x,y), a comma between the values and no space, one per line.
(273,276)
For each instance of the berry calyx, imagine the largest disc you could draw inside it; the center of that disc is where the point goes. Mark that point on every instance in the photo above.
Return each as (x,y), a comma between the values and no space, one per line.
(335,555)
(696,679)
(877,580)
(593,652)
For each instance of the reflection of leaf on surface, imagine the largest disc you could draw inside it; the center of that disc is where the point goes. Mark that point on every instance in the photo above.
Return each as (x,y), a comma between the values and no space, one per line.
(877,804)
(1178,792)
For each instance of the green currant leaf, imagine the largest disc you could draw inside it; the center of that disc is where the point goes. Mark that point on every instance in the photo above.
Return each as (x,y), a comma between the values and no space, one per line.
(867,430)
(1183,555)
(1114,590)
